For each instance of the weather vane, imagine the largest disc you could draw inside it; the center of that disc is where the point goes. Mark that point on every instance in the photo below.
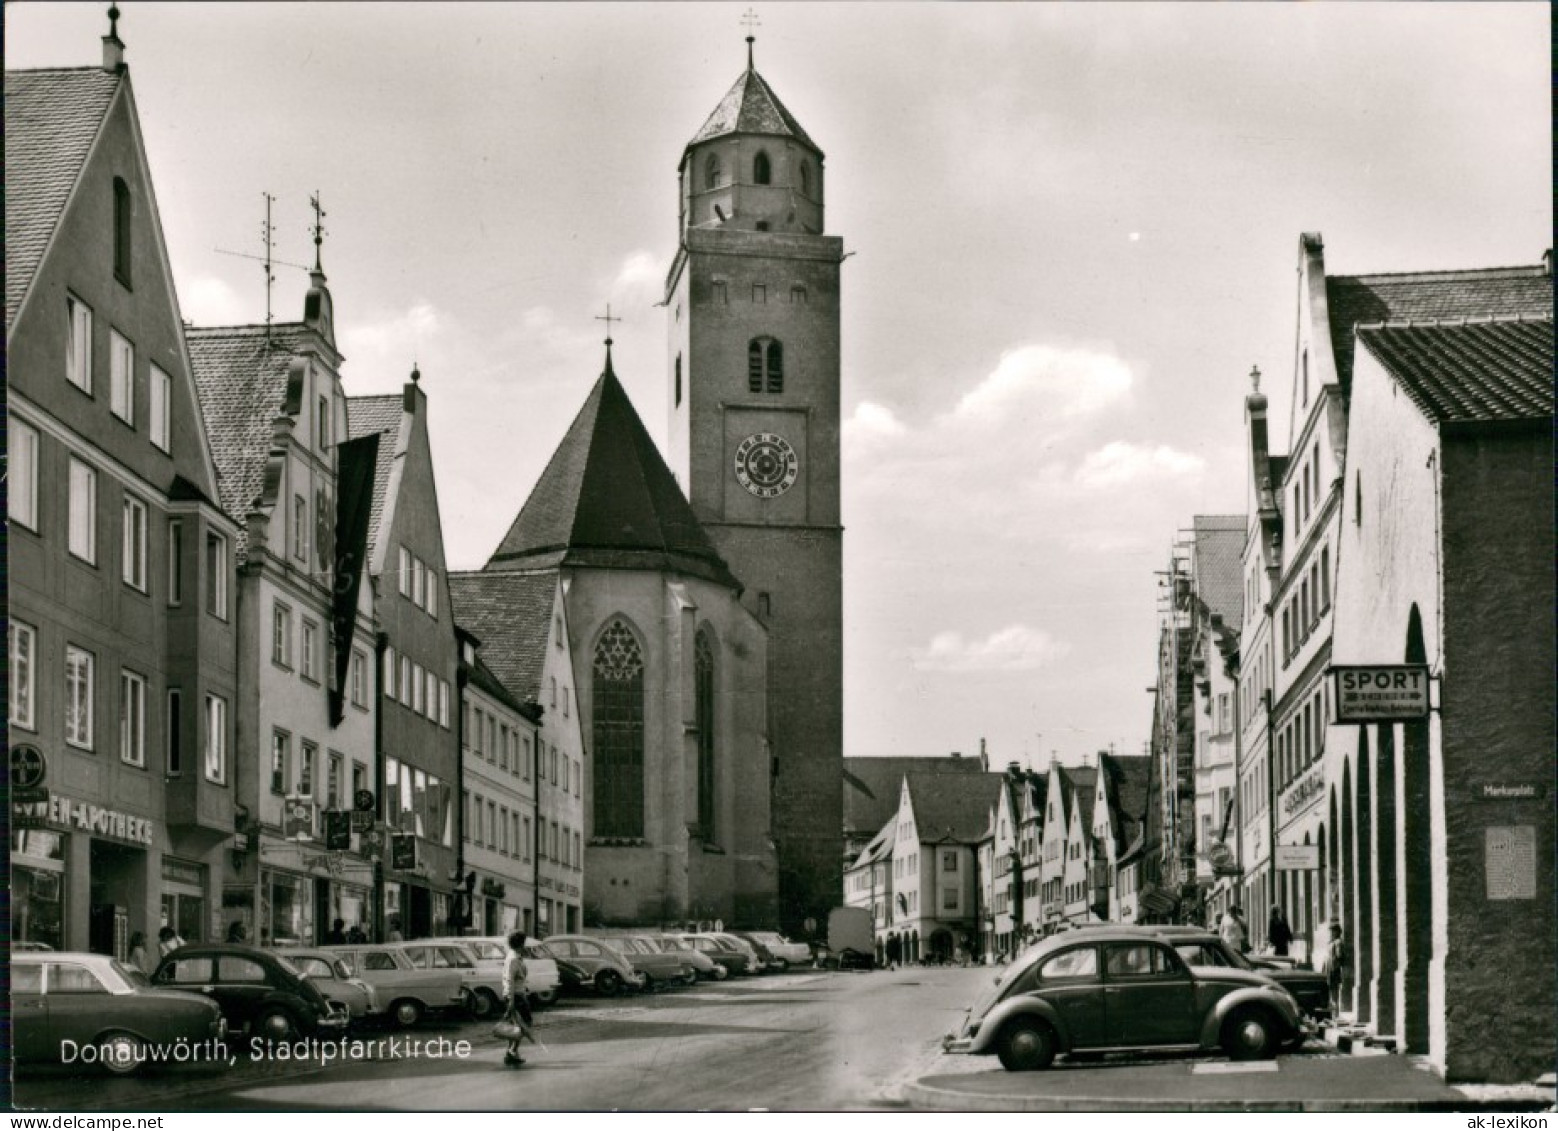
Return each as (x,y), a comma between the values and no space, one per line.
(750,21)
(319,227)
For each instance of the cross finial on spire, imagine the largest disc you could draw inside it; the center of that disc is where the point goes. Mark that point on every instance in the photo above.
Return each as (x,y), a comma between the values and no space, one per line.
(608,318)
(113,21)
(319,228)
(1255,377)
(750,21)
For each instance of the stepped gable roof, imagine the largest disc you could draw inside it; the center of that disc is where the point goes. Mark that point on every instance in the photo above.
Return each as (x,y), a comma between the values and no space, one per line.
(241,373)
(1469,371)
(510,612)
(871,785)
(955,805)
(1218,564)
(752,107)
(377,414)
(1497,292)
(52,118)
(607,500)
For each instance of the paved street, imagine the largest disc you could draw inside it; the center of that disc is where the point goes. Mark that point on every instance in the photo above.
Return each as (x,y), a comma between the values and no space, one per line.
(807,1040)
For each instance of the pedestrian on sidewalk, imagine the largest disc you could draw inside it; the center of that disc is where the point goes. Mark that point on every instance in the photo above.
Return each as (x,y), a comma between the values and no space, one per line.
(1233,930)
(894,951)
(515,982)
(168,941)
(1278,933)
(1334,964)
(138,956)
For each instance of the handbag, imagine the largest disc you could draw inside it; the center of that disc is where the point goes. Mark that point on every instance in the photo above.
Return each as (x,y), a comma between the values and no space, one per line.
(510,1028)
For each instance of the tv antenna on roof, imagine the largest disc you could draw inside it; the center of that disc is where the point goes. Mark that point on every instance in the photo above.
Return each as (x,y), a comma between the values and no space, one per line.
(267,261)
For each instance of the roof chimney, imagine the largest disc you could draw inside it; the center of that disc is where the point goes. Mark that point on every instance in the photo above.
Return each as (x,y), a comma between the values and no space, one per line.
(113,46)
(1547,262)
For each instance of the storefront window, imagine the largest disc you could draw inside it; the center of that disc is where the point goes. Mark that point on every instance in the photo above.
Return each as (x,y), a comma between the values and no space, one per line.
(37,893)
(351,905)
(288,916)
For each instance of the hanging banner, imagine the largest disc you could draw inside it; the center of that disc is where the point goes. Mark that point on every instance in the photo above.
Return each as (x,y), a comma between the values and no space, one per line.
(356,461)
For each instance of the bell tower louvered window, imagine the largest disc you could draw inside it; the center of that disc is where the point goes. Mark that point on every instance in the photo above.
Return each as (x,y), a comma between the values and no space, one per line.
(765,365)
(619,733)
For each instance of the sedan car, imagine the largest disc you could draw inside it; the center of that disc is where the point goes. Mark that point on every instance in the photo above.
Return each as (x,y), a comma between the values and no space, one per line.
(258,990)
(659,967)
(704,966)
(541,977)
(1201,947)
(733,959)
(599,966)
(336,979)
(407,994)
(89,1008)
(785,953)
(483,985)
(1113,990)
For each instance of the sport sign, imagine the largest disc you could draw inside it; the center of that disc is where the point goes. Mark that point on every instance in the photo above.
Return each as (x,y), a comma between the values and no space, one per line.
(1382,693)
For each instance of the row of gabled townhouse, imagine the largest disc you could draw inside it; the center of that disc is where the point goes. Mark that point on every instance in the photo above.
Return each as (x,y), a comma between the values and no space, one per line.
(1405,534)
(236,674)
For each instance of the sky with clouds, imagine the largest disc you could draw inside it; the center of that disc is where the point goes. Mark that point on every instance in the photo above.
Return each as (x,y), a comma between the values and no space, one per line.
(1074,229)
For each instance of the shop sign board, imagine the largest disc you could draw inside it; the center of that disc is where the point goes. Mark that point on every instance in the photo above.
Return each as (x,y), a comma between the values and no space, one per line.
(1380,693)
(58,810)
(1298,857)
(29,768)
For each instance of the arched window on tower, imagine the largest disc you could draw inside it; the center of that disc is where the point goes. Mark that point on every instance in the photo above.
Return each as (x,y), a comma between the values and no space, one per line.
(762,172)
(618,730)
(711,172)
(703,684)
(765,365)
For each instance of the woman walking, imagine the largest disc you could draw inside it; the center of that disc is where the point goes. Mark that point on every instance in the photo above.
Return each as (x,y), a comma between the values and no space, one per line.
(1278,933)
(515,979)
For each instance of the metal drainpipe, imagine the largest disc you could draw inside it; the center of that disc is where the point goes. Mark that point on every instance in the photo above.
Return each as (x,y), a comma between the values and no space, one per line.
(461,679)
(535,836)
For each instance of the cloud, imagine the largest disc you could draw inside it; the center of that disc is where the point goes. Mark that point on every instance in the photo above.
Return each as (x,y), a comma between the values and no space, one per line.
(872,421)
(1119,463)
(388,347)
(209,301)
(1012,649)
(1047,380)
(639,272)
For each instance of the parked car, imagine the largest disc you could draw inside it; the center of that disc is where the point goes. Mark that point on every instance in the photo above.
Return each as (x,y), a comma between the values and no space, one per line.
(659,967)
(756,963)
(336,979)
(705,966)
(541,975)
(63,1002)
(733,959)
(1200,947)
(407,994)
(1120,989)
(483,985)
(784,952)
(766,959)
(594,963)
(259,991)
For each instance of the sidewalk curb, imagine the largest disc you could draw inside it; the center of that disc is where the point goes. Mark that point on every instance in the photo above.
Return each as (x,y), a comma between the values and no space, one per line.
(928,1098)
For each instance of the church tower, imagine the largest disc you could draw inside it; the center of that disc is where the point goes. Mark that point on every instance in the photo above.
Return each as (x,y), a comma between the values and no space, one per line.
(753,303)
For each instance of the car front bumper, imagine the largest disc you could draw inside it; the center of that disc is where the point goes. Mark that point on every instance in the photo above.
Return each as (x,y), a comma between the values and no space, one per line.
(960,1045)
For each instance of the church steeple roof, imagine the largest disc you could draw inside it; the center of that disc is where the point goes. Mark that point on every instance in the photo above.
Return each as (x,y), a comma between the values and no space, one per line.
(752,107)
(607,500)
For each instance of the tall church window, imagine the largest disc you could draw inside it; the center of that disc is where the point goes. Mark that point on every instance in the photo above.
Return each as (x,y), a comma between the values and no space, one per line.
(703,686)
(711,172)
(619,733)
(805,179)
(762,172)
(765,365)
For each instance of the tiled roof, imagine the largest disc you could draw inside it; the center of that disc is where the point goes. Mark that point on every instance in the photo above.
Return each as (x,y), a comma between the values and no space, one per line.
(607,500)
(482,677)
(1083,781)
(752,107)
(1498,292)
(52,118)
(955,805)
(241,373)
(871,786)
(365,416)
(510,612)
(1217,563)
(1470,371)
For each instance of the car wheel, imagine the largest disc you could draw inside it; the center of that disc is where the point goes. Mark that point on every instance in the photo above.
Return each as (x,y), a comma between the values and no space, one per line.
(275,1024)
(484,1004)
(690,978)
(121,1053)
(782,965)
(719,973)
(405,1012)
(608,983)
(1249,1034)
(1025,1045)
(547,997)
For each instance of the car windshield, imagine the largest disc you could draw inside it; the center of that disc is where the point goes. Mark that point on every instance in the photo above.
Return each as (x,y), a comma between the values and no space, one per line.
(130,974)
(672,944)
(651,946)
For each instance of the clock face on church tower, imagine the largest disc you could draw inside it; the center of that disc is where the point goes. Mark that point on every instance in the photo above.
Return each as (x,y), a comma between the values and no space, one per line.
(766,465)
